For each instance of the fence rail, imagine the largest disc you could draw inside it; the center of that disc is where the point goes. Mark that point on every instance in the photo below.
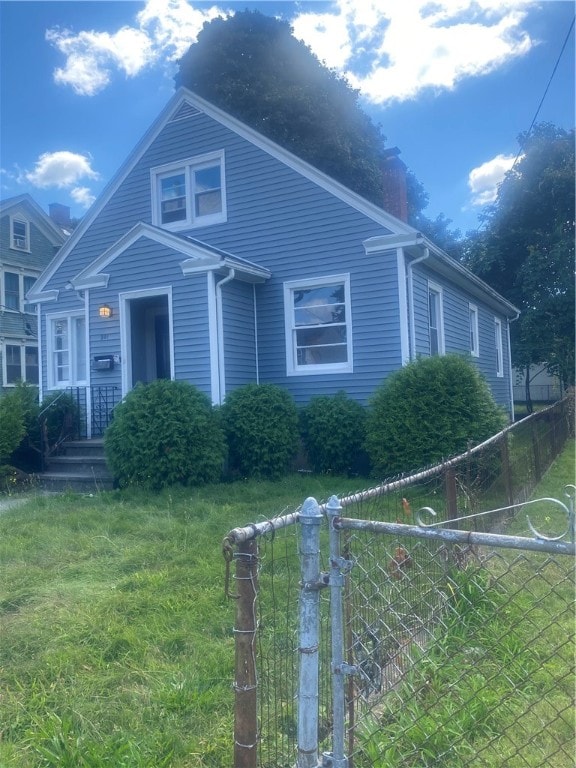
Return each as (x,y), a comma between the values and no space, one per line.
(410,636)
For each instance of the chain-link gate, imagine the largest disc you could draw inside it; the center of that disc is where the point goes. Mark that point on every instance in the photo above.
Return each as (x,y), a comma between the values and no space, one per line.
(416,628)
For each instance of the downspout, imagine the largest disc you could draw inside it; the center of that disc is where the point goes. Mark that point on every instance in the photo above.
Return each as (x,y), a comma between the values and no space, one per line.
(424,256)
(510,382)
(257,361)
(220,333)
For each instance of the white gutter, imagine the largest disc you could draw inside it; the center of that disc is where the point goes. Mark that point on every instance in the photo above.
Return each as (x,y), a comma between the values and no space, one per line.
(424,256)
(220,334)
(511,383)
(256,350)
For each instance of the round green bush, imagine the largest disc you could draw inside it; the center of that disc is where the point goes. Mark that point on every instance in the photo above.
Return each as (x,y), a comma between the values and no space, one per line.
(12,427)
(334,433)
(165,433)
(429,410)
(261,423)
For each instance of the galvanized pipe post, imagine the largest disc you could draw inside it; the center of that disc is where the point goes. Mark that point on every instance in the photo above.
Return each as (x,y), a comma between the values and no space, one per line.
(338,566)
(310,519)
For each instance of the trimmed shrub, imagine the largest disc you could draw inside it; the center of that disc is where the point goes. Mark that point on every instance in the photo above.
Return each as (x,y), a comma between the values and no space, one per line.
(165,433)
(427,411)
(12,427)
(334,434)
(261,423)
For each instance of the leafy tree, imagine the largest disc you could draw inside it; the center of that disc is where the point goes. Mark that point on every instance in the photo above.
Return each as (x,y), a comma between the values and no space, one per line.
(526,251)
(253,67)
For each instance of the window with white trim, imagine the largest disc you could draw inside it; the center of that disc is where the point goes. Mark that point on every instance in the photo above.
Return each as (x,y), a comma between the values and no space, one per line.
(435,319)
(190,193)
(498,347)
(19,234)
(473,322)
(19,363)
(13,289)
(66,351)
(318,325)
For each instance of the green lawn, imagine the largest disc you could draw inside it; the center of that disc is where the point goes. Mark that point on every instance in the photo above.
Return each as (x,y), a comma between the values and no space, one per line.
(116,644)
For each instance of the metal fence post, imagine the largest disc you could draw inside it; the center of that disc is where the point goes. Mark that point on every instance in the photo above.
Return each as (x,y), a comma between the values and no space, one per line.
(246,715)
(338,566)
(310,519)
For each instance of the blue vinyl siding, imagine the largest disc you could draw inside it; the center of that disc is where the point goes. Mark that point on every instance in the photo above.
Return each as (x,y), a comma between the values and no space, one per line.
(239,335)
(456,331)
(282,221)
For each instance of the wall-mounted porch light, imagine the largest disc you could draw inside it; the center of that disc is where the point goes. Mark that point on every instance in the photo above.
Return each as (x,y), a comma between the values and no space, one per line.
(105,311)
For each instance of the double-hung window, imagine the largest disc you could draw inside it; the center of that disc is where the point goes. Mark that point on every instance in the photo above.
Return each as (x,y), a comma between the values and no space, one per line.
(318,325)
(498,347)
(190,193)
(19,234)
(20,364)
(473,322)
(13,289)
(435,319)
(66,351)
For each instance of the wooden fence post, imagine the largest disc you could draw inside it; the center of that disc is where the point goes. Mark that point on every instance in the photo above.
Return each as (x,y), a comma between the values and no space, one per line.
(245,686)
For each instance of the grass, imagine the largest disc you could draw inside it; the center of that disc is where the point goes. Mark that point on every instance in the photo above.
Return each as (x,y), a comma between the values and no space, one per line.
(116,645)
(495,686)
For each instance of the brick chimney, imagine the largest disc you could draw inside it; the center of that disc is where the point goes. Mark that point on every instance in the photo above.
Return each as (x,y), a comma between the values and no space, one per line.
(60,215)
(395,199)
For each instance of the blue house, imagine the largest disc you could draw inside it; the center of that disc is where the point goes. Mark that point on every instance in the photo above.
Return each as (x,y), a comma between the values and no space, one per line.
(217,257)
(29,238)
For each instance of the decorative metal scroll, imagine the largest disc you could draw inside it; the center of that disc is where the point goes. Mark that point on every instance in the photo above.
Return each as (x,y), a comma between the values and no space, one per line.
(567,509)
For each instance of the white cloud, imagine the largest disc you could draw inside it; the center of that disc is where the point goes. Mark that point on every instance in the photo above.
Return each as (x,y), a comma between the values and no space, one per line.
(164,31)
(393,51)
(389,51)
(483,181)
(82,196)
(61,169)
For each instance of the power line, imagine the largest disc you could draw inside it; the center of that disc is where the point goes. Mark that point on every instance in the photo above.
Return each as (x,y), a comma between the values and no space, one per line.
(565,43)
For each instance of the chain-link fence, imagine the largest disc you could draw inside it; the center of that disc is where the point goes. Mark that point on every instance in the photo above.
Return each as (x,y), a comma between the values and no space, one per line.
(453,651)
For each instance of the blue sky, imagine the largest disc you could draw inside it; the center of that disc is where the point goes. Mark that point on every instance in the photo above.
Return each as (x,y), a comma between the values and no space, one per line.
(452,82)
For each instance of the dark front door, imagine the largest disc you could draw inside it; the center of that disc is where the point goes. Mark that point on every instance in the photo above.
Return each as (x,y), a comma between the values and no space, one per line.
(149,339)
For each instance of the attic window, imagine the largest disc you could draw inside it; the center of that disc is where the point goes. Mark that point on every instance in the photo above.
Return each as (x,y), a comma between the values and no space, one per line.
(19,234)
(189,194)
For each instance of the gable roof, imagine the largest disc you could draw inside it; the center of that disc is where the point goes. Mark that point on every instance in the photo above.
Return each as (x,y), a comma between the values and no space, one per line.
(26,205)
(199,257)
(185,103)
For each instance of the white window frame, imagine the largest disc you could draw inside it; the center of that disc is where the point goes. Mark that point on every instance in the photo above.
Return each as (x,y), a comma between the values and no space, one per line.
(473,324)
(23,306)
(22,347)
(188,168)
(293,368)
(436,290)
(19,243)
(499,348)
(77,353)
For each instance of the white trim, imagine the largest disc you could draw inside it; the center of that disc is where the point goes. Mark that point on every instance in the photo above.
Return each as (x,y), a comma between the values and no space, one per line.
(72,380)
(187,166)
(213,338)
(510,379)
(220,331)
(473,330)
(22,345)
(292,368)
(499,348)
(124,299)
(438,290)
(13,239)
(403,306)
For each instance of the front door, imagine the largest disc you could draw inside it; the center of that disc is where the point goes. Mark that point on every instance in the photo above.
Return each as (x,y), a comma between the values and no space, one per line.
(148,340)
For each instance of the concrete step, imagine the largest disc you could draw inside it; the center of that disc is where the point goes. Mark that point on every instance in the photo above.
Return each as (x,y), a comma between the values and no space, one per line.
(79,483)
(80,466)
